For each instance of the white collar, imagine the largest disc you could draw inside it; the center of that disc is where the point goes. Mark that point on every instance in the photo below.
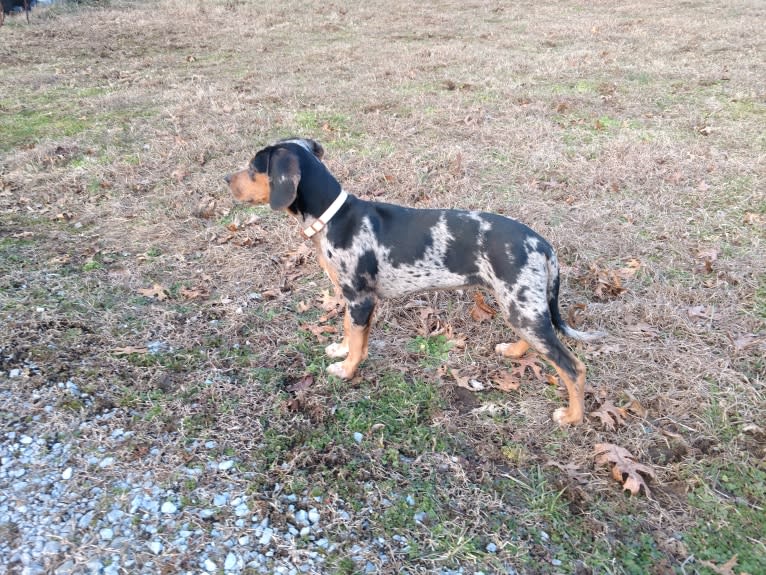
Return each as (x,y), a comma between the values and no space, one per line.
(325,218)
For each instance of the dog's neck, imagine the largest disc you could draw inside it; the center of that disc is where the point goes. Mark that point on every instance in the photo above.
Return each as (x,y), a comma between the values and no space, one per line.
(318,224)
(317,192)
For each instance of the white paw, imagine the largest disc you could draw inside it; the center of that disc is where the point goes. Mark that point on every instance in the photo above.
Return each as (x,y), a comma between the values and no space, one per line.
(336,350)
(562,417)
(338,370)
(501,348)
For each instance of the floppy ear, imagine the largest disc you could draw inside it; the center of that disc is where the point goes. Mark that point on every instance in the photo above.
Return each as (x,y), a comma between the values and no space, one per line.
(285,174)
(316,148)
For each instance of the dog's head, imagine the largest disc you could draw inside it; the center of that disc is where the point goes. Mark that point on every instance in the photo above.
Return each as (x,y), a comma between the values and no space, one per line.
(275,172)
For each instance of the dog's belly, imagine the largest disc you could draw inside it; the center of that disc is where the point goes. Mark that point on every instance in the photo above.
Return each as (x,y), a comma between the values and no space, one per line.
(406,279)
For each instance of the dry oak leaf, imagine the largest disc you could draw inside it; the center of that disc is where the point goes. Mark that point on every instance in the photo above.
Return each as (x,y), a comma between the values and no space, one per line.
(754,219)
(319,331)
(302,384)
(194,293)
(429,322)
(745,341)
(156,291)
(610,415)
(129,349)
(481,310)
(464,379)
(457,340)
(625,468)
(630,269)
(725,568)
(571,469)
(330,302)
(529,361)
(505,381)
(708,257)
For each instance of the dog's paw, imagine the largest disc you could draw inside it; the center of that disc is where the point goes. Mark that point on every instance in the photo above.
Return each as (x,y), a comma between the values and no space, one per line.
(338,370)
(564,418)
(336,350)
(501,348)
(512,350)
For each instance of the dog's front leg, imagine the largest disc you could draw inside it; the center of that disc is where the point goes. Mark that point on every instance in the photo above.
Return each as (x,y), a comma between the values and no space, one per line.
(356,329)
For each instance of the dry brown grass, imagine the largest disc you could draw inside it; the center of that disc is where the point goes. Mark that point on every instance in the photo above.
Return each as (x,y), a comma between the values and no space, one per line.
(618,132)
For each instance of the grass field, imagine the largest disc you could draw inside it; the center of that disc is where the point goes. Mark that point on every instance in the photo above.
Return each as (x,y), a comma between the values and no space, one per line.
(632,135)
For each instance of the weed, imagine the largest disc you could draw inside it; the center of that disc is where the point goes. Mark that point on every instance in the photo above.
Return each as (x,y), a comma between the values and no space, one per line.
(433,350)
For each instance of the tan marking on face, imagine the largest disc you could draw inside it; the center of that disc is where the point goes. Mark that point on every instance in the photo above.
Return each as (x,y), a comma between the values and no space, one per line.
(254,190)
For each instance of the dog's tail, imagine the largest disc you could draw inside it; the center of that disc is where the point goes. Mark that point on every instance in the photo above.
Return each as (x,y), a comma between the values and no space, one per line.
(553,306)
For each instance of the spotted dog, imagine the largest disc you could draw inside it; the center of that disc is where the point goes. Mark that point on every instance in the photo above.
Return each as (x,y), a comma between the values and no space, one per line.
(372,250)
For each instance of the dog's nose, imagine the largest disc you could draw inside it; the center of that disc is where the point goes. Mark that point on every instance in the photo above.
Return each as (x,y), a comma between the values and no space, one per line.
(227,178)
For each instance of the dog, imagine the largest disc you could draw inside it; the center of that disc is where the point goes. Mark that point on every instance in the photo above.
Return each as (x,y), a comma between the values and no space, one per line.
(373,250)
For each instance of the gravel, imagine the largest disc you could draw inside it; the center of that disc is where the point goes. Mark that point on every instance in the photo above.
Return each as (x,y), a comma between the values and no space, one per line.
(84,496)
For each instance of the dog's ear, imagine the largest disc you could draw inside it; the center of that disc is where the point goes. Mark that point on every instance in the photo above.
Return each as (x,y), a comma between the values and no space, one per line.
(285,174)
(316,148)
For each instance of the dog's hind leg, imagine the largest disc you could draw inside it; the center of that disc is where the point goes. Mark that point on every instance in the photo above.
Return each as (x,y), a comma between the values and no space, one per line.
(542,337)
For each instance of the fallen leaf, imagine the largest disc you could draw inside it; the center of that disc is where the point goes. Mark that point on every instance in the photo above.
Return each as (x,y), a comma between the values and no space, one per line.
(605,283)
(574,313)
(754,219)
(644,328)
(528,362)
(505,381)
(302,384)
(456,340)
(180,173)
(610,415)
(723,569)
(319,331)
(630,268)
(331,302)
(708,258)
(194,293)
(481,311)
(429,322)
(296,257)
(156,291)
(571,469)
(466,380)
(243,241)
(303,306)
(606,349)
(625,468)
(294,404)
(635,407)
(747,340)
(129,349)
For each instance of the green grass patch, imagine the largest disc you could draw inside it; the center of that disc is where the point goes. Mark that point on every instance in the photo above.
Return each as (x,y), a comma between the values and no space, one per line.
(731,519)
(61,112)
(433,350)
